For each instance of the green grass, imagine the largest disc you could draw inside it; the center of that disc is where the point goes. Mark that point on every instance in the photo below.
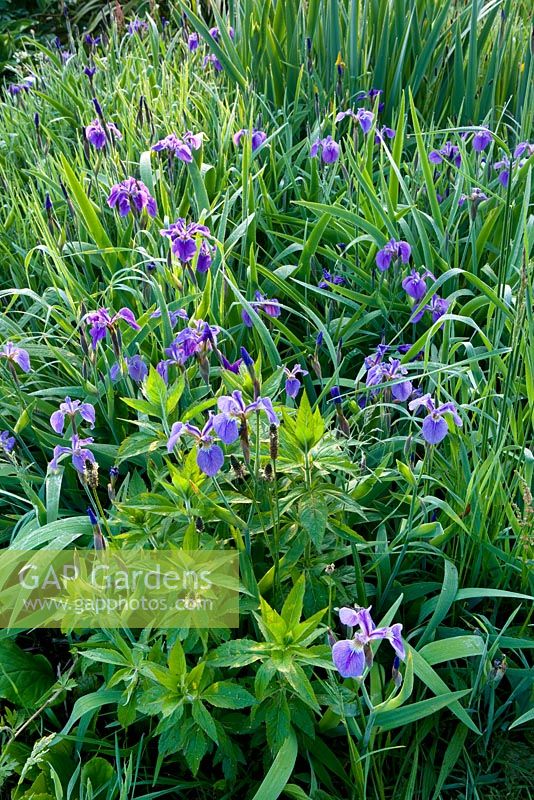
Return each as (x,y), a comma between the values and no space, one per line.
(438,538)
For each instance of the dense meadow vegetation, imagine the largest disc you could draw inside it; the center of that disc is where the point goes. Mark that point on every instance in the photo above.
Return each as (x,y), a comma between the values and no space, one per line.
(266,283)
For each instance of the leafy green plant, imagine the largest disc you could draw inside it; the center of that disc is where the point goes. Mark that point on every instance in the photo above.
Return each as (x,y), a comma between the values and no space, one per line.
(339,498)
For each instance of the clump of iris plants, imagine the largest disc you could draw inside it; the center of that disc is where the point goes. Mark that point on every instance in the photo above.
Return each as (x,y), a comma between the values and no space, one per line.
(266,296)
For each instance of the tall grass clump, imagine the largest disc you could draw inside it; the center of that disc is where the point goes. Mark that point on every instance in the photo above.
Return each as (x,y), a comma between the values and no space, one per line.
(272,264)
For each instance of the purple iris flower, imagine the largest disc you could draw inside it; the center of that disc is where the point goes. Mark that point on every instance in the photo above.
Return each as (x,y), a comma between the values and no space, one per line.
(90,72)
(24,86)
(184,242)
(191,341)
(137,26)
(137,369)
(132,195)
(7,442)
(205,257)
(504,170)
(215,33)
(382,372)
(92,41)
(351,656)
(257,137)
(293,384)
(477,196)
(329,150)
(363,116)
(271,307)
(524,147)
(377,356)
(97,136)
(435,427)
(505,164)
(181,148)
(102,322)
(481,140)
(177,356)
(329,279)
(438,306)
(69,409)
(233,412)
(449,152)
(174,316)
(384,133)
(213,60)
(414,284)
(372,93)
(193,42)
(393,250)
(77,450)
(231,366)
(199,339)
(16,355)
(210,457)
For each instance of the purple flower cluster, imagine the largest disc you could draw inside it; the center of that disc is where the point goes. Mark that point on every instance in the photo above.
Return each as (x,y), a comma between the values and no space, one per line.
(362,116)
(181,148)
(352,656)
(382,372)
(188,239)
(393,251)
(174,316)
(437,307)
(435,428)
(77,450)
(328,280)
(193,43)
(329,150)
(505,164)
(97,135)
(196,340)
(7,442)
(449,152)
(257,137)
(229,425)
(135,367)
(371,95)
(216,34)
(137,26)
(211,59)
(476,197)
(131,195)
(24,86)
(261,303)
(102,323)
(92,41)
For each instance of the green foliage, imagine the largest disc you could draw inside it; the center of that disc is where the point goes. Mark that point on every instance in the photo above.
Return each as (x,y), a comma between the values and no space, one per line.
(343,503)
